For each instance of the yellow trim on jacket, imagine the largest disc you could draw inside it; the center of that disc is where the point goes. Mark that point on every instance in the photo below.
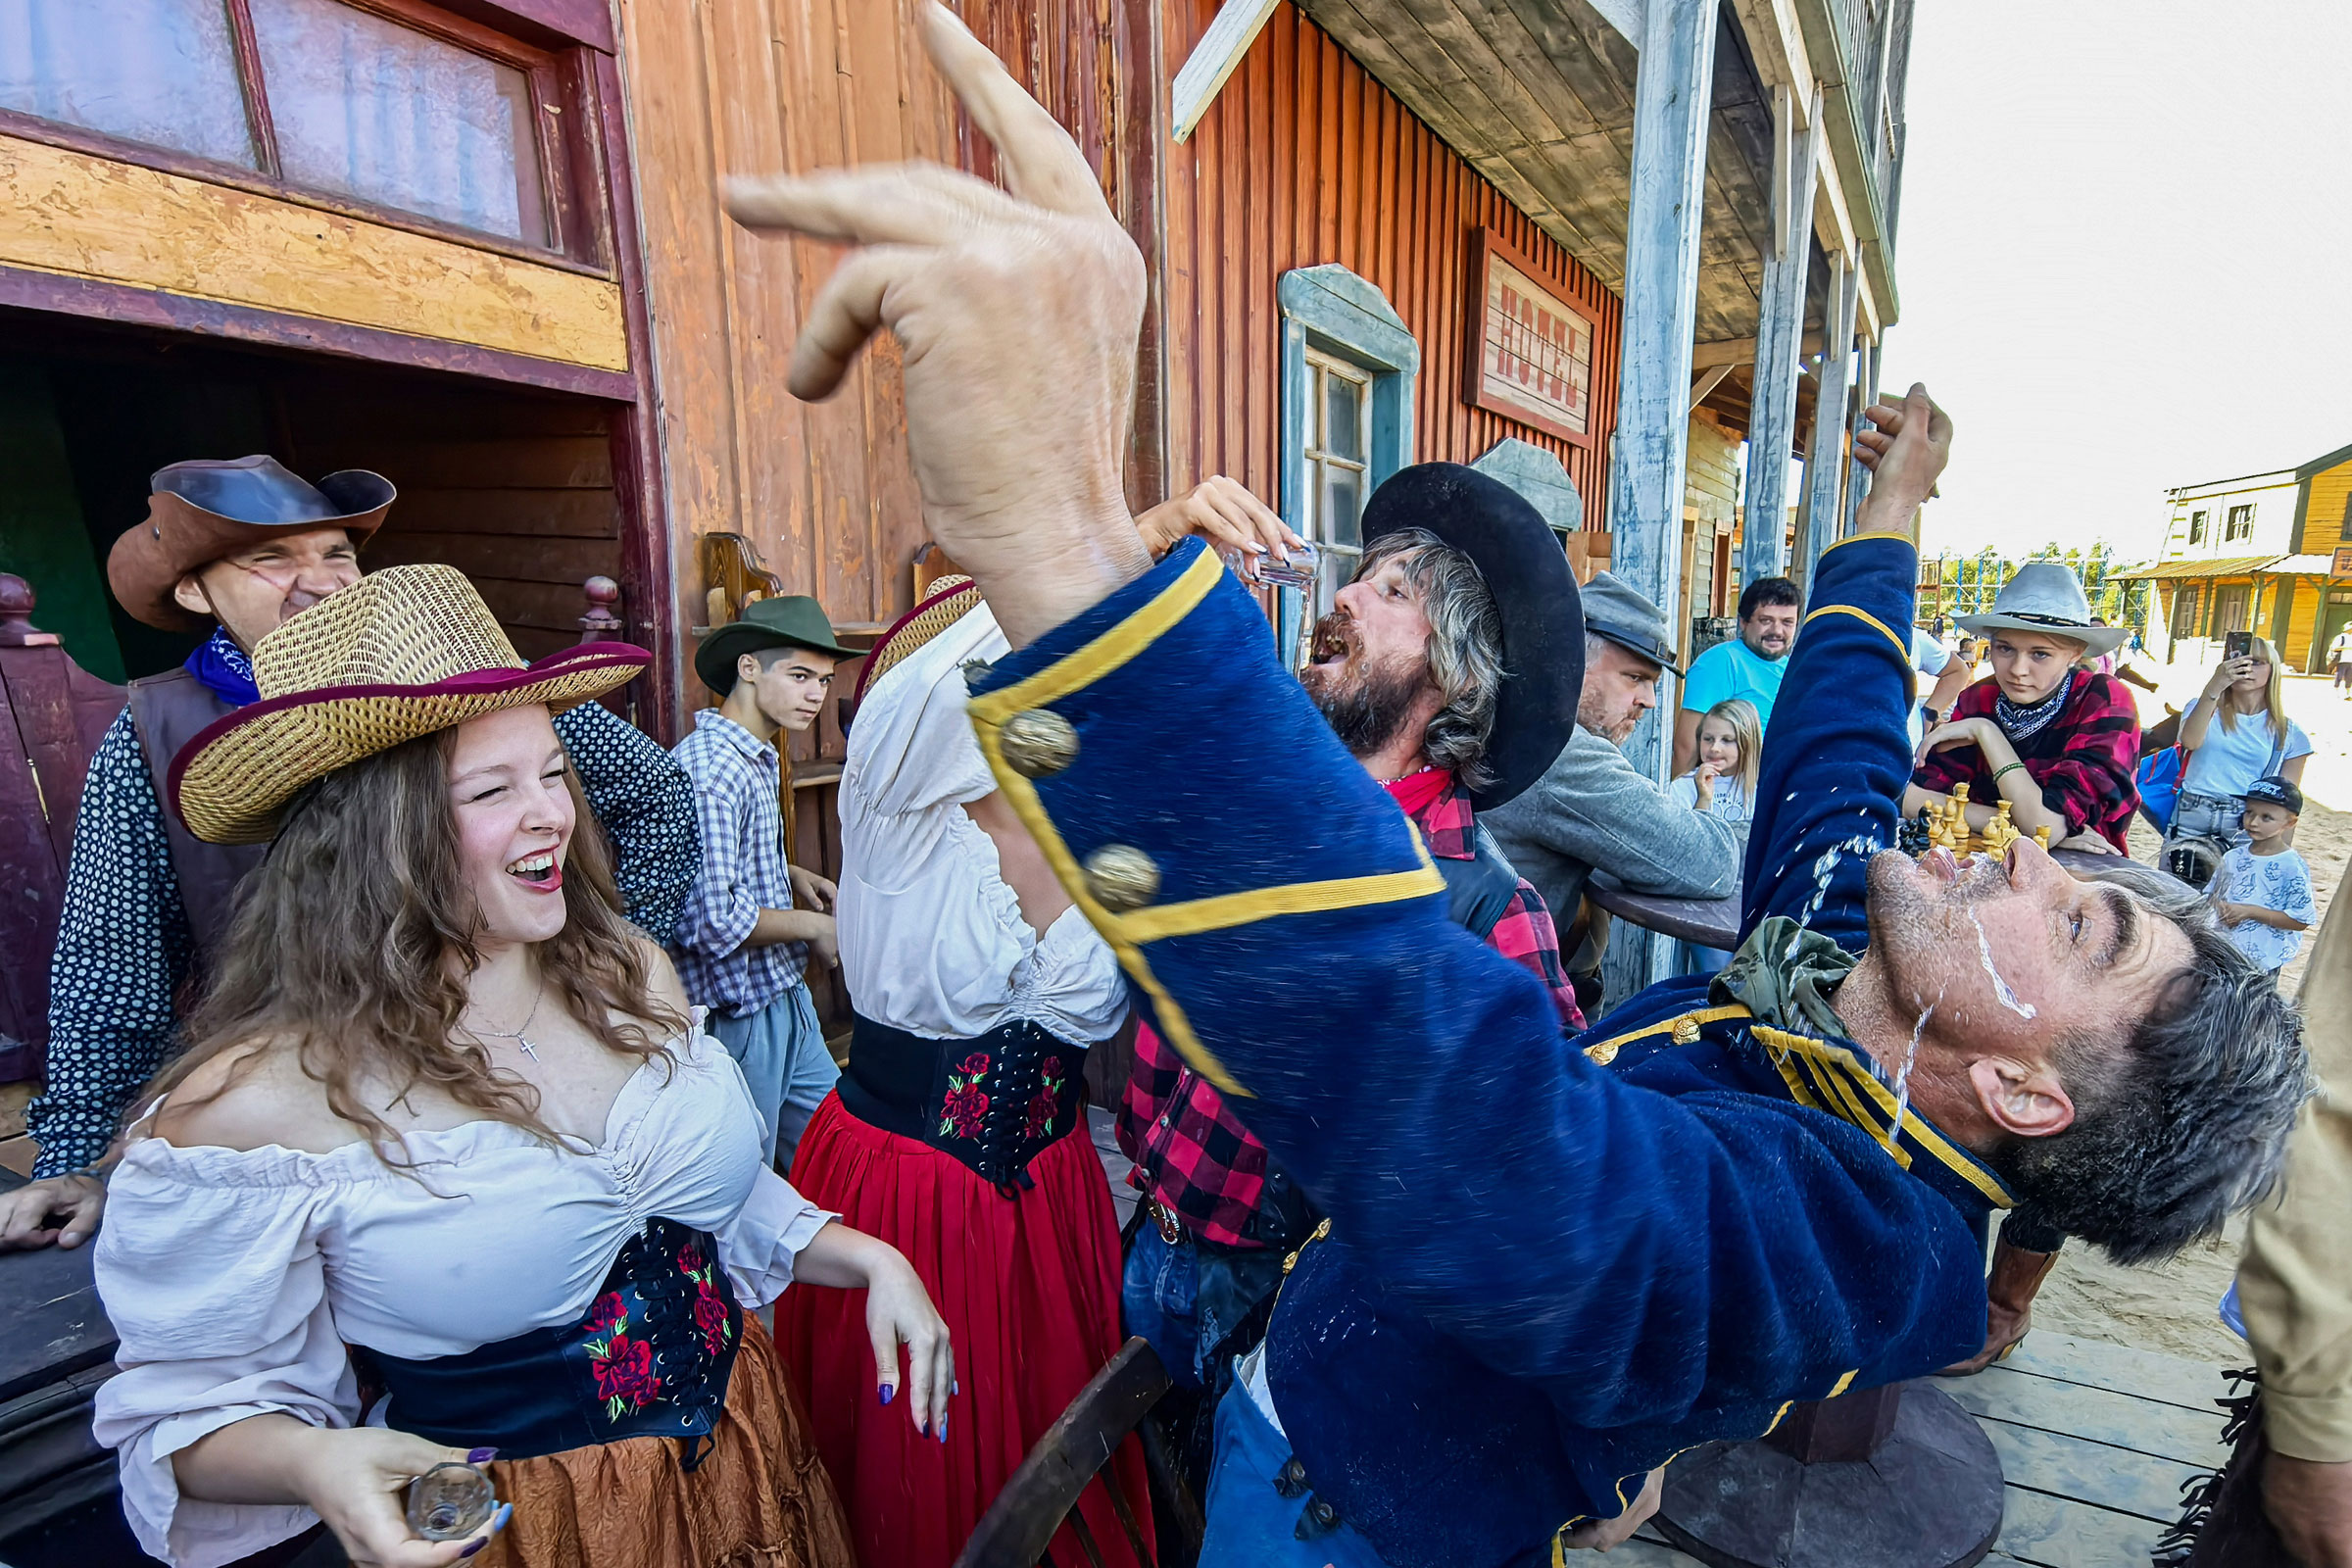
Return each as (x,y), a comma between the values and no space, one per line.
(1126,934)
(1901,646)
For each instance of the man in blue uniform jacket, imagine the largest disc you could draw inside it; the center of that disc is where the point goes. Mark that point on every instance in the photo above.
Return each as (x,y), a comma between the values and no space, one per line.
(1545,1270)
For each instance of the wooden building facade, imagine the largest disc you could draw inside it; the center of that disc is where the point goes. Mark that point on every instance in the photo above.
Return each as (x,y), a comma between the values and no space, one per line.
(2265,553)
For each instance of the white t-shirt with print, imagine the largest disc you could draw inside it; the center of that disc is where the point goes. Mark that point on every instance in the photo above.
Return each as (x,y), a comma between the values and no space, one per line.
(1729,800)
(2281,882)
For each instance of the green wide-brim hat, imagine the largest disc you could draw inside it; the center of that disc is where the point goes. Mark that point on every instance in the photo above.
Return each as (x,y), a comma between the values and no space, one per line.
(790,620)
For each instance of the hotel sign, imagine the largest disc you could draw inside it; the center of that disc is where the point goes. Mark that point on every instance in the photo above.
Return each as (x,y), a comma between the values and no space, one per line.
(1531,359)
(2342,566)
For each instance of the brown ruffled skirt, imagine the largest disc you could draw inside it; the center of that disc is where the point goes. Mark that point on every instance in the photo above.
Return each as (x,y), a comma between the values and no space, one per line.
(760,1498)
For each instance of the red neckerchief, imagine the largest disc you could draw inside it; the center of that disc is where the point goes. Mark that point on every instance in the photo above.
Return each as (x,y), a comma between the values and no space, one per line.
(1440,810)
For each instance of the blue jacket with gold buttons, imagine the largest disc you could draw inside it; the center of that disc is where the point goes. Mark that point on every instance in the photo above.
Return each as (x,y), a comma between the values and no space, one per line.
(1548,1268)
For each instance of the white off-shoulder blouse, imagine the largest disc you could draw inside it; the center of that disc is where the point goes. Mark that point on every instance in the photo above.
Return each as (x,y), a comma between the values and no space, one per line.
(932,938)
(235,1278)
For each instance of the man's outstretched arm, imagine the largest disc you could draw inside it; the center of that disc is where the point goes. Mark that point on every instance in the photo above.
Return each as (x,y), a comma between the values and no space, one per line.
(1837,753)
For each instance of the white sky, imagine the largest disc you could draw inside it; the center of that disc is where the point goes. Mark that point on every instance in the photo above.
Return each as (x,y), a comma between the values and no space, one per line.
(2125,255)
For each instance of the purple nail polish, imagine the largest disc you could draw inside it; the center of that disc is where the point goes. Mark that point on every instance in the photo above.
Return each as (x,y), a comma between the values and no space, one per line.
(888,1389)
(943,1429)
(953,1386)
(473,1547)
(482,1455)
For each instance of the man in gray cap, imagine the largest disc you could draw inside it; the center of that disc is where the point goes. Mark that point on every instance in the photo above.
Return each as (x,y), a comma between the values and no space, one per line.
(1592,808)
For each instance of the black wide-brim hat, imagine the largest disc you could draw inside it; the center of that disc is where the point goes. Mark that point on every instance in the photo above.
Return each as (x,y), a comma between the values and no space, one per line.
(1536,598)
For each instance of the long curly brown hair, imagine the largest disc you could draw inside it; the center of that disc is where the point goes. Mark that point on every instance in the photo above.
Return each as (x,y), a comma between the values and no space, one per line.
(352,942)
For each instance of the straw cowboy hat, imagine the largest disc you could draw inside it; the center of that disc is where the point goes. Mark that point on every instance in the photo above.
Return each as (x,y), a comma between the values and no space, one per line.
(950,598)
(403,653)
(1536,599)
(200,511)
(2045,596)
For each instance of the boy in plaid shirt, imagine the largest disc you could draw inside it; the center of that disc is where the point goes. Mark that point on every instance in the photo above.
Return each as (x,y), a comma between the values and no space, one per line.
(744,939)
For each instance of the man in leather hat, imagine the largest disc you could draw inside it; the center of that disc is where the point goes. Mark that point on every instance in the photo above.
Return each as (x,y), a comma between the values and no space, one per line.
(1545,1272)
(237,547)
(1592,807)
(1449,667)
(753,922)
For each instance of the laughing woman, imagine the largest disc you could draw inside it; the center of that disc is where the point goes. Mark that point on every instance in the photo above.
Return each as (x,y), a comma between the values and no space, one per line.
(447,1172)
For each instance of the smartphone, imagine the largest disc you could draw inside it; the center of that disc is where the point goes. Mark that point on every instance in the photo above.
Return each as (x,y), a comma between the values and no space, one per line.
(2238,645)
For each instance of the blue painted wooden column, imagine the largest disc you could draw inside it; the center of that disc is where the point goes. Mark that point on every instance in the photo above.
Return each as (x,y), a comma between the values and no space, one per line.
(1780,334)
(1671,96)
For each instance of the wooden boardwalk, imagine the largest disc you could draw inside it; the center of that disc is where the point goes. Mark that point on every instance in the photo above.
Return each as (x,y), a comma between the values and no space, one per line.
(2095,1441)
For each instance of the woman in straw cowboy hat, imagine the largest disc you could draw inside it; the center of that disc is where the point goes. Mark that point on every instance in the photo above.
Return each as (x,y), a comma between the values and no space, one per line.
(446,1133)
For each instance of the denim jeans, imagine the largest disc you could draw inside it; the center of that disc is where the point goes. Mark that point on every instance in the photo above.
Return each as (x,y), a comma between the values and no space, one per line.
(1191,1300)
(1159,1295)
(781,1049)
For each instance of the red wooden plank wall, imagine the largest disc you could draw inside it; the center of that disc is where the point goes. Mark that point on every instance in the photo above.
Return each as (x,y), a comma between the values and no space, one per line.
(1303,160)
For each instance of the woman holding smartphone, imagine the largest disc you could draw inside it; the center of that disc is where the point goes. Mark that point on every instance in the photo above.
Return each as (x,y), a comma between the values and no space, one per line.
(2235,731)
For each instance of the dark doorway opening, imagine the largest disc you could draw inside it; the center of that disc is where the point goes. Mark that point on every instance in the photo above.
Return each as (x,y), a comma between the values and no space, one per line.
(512,485)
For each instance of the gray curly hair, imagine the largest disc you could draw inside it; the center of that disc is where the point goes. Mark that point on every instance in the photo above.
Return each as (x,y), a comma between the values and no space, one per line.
(2187,1122)
(1465,646)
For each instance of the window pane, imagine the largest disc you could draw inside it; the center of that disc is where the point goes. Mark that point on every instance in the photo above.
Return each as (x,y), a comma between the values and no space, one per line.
(159,72)
(1342,502)
(1342,423)
(372,108)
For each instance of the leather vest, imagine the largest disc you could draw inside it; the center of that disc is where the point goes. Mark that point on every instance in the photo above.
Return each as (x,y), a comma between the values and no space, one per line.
(170,710)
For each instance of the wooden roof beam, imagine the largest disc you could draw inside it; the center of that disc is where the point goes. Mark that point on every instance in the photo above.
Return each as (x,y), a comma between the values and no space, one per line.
(1214,59)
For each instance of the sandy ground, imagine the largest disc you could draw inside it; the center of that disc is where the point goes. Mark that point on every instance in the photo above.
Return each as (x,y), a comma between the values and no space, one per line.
(2170,1307)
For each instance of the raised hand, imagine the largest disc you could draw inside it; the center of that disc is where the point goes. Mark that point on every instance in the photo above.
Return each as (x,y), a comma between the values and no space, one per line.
(1226,514)
(1018,314)
(1905,453)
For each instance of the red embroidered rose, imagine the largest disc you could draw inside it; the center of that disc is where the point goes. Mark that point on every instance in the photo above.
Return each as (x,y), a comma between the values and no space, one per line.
(961,1115)
(625,1373)
(710,1320)
(976,1064)
(1038,1115)
(608,1311)
(690,1259)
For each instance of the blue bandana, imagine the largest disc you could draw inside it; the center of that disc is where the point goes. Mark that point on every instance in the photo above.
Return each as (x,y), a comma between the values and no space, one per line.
(221,666)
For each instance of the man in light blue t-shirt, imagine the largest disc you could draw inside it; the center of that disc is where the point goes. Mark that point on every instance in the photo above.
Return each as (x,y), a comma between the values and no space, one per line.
(1748,667)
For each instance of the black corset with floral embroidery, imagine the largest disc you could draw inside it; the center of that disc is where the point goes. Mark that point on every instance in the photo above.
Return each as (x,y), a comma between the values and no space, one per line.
(994,1102)
(649,1359)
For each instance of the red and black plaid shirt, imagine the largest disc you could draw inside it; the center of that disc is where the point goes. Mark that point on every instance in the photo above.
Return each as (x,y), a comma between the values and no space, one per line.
(2084,759)
(1197,1160)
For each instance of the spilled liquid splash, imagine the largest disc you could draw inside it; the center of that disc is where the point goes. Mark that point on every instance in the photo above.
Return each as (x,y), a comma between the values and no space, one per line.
(1902,1075)
(2000,986)
(1824,866)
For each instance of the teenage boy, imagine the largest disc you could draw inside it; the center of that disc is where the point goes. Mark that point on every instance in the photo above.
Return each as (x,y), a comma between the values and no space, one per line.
(2263,889)
(751,922)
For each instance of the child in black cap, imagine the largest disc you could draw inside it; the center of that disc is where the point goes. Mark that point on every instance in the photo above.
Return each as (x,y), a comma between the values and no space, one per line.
(2263,889)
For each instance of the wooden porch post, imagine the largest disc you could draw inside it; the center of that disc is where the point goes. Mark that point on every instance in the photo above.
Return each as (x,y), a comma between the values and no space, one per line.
(1780,334)
(1825,461)
(1857,478)
(1672,97)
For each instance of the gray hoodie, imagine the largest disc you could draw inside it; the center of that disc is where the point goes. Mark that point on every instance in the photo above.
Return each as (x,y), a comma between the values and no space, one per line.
(1591,809)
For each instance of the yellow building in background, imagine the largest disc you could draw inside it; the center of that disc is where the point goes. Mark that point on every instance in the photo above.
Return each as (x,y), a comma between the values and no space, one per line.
(2269,552)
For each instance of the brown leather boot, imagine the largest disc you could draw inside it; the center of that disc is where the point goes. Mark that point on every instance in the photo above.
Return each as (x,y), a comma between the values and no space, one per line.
(2009,1291)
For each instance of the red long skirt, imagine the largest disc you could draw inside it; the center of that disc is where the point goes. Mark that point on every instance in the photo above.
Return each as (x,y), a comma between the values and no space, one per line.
(1029,1287)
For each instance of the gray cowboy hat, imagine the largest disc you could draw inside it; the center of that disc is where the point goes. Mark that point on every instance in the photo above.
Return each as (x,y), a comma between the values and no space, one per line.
(2045,596)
